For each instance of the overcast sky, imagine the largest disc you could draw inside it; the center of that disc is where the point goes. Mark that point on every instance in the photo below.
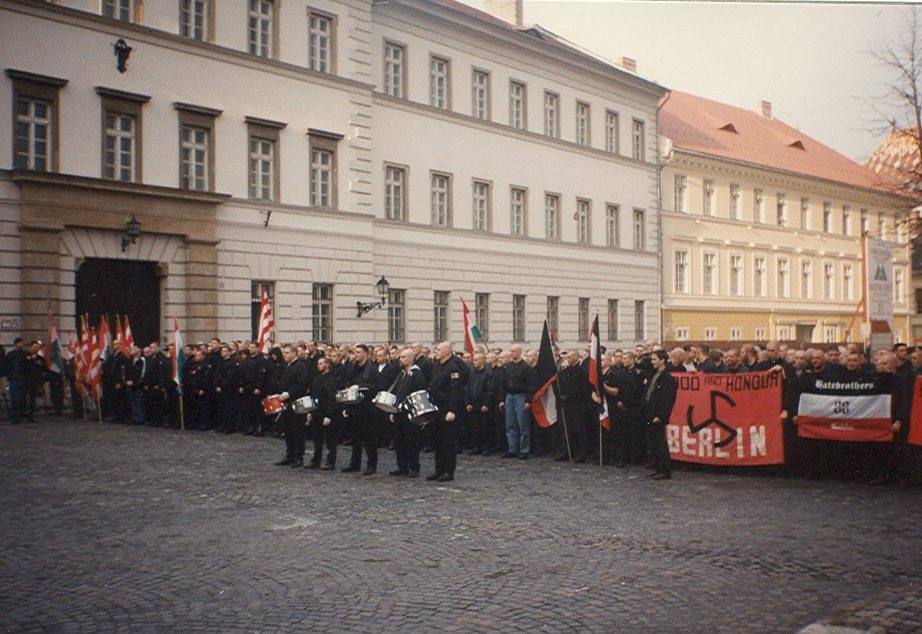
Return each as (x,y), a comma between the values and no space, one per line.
(810,60)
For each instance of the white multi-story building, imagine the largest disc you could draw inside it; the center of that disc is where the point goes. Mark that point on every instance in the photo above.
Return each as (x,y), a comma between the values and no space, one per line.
(313,148)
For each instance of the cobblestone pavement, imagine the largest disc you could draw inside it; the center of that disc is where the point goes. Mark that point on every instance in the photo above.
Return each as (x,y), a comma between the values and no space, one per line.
(105,528)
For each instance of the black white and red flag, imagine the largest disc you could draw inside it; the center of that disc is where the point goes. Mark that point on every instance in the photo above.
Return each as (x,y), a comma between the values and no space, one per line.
(595,370)
(544,402)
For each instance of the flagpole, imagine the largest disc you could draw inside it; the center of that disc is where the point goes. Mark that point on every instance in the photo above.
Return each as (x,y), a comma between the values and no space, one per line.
(601,459)
(566,436)
(182,422)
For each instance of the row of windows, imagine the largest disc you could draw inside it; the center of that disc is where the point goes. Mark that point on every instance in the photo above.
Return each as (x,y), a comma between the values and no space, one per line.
(798,332)
(440,96)
(441,206)
(832,222)
(783,281)
(322,314)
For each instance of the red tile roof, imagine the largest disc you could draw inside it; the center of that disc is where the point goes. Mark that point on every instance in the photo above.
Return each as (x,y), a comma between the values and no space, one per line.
(696,124)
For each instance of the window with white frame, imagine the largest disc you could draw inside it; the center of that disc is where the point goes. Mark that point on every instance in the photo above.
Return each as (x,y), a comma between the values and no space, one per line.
(518,318)
(611,132)
(35,120)
(394,69)
(827,217)
(758,201)
(681,188)
(320,42)
(782,207)
(710,333)
(681,333)
(759,334)
(640,320)
(707,202)
(736,275)
(395,184)
(118,9)
(758,276)
(121,135)
(582,123)
(805,213)
(440,197)
(736,333)
(482,314)
(262,168)
(640,230)
(517,202)
(735,202)
(440,315)
(552,217)
(829,281)
(709,274)
(612,226)
(784,333)
(517,105)
(806,279)
(261,24)
(396,315)
(637,140)
(480,95)
(846,220)
(322,312)
(681,272)
(321,178)
(784,282)
(482,206)
(881,226)
(551,114)
(194,157)
(848,283)
(439,83)
(830,334)
(553,316)
(193,18)
(582,319)
(583,221)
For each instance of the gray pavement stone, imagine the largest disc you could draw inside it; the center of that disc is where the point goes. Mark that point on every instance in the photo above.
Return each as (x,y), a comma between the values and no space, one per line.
(111,528)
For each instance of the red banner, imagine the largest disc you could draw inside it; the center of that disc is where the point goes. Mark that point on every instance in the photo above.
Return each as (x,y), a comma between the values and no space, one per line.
(915,427)
(728,419)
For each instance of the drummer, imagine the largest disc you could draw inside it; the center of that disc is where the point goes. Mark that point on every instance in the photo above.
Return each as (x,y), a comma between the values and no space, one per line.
(407,436)
(364,377)
(292,385)
(323,424)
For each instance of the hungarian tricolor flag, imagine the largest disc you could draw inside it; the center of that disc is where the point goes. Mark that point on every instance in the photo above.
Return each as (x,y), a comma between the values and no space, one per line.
(179,357)
(266,323)
(129,340)
(54,354)
(544,402)
(471,332)
(595,370)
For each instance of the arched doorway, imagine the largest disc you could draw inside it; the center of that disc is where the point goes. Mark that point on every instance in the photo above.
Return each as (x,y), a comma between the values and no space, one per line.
(120,287)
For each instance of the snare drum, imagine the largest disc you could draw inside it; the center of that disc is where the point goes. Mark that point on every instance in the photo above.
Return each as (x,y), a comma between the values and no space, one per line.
(304,405)
(386,401)
(349,396)
(419,408)
(272,404)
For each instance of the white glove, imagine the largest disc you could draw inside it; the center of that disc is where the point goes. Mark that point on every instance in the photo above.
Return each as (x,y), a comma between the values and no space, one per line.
(326,421)
(391,418)
(450,416)
(345,414)
(283,396)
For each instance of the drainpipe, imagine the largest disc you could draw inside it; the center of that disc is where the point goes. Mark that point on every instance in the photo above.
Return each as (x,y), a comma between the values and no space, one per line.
(659,220)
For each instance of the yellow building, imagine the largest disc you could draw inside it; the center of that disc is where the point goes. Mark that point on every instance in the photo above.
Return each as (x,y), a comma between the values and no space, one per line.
(762,230)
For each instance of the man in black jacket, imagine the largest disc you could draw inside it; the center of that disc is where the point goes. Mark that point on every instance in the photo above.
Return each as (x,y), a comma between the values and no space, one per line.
(324,427)
(292,385)
(480,391)
(576,396)
(407,436)
(364,375)
(446,389)
(658,400)
(222,384)
(516,406)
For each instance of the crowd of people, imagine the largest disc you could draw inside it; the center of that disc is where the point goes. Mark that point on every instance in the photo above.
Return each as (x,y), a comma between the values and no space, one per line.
(481,402)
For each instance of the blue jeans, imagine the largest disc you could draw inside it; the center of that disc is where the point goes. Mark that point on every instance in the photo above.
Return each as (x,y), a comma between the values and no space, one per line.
(517,424)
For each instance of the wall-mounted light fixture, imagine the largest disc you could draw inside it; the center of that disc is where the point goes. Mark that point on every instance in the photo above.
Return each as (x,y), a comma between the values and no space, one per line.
(383,286)
(132,231)
(122,52)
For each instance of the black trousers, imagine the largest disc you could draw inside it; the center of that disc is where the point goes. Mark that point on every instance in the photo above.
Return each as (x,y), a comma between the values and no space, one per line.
(659,448)
(483,438)
(407,443)
(574,415)
(293,424)
(365,434)
(323,434)
(445,444)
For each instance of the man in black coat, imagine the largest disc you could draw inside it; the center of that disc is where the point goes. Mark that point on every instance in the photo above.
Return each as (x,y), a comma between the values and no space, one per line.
(364,375)
(222,384)
(480,390)
(292,385)
(658,400)
(407,436)
(446,389)
(576,396)
(253,377)
(324,427)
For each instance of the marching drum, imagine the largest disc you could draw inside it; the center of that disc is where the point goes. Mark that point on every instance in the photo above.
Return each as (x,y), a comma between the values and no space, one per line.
(349,396)
(386,401)
(419,408)
(304,405)
(272,404)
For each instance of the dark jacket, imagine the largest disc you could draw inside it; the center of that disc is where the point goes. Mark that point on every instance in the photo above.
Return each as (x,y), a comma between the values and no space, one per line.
(446,389)
(323,390)
(515,378)
(480,388)
(661,398)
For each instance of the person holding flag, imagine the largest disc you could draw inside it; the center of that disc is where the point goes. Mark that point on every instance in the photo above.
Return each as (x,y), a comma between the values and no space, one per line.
(576,392)
(54,359)
(472,333)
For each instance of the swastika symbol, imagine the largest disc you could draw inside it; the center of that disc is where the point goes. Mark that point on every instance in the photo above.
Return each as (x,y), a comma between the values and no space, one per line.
(713,420)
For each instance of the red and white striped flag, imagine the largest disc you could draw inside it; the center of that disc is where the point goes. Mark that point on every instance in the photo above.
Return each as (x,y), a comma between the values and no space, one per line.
(266,323)
(129,340)
(595,370)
